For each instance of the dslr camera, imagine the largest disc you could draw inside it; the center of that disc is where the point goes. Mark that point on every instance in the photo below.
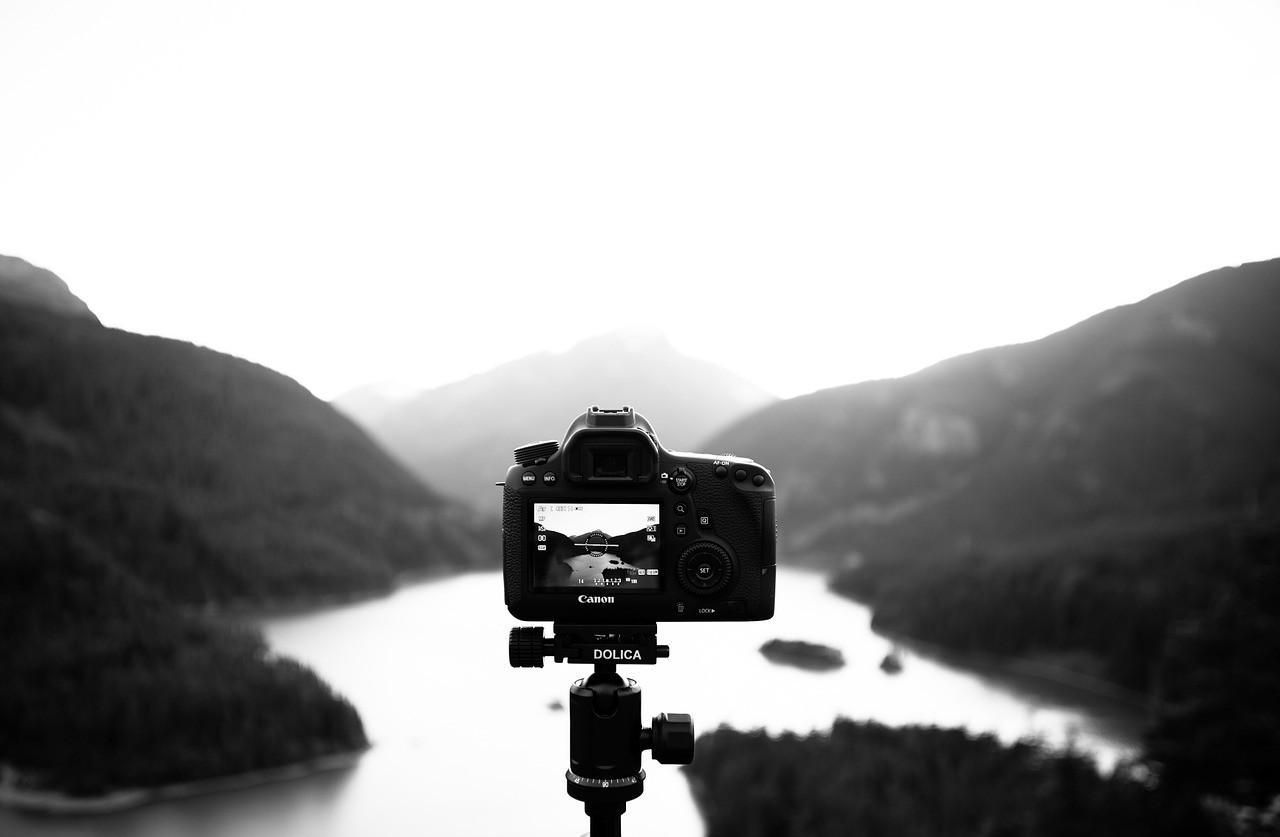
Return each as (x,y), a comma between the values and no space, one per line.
(609,527)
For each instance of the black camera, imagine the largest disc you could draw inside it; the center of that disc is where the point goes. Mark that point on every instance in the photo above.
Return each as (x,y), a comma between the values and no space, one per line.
(611,528)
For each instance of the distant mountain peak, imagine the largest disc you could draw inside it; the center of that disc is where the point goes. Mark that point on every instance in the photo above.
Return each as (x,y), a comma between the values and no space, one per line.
(458,437)
(627,340)
(23,283)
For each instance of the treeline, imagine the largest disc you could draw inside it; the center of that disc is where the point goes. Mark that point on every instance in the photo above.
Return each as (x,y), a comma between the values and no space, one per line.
(212,478)
(1116,602)
(1211,755)
(875,781)
(106,685)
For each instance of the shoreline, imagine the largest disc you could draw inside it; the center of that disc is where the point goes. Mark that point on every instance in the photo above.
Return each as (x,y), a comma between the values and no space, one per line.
(57,803)
(1024,669)
(283,606)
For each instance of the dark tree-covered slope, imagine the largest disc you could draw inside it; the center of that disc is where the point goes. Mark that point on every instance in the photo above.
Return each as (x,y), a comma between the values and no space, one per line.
(213,478)
(868,779)
(144,480)
(108,685)
(1070,496)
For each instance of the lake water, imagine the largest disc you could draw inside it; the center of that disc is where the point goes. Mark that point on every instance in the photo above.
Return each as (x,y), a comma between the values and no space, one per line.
(465,745)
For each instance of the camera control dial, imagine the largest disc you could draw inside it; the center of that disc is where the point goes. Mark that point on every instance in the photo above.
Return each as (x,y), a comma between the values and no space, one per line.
(704,569)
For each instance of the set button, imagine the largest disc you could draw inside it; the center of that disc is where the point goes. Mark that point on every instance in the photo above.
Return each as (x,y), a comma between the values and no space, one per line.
(704,569)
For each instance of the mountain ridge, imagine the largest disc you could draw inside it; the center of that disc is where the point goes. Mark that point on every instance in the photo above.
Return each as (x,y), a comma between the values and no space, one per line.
(467,429)
(23,283)
(1067,497)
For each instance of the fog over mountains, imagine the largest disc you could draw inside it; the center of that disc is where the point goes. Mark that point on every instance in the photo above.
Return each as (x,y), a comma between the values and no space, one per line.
(458,438)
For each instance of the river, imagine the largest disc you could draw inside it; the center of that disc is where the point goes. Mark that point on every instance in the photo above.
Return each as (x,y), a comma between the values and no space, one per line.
(465,745)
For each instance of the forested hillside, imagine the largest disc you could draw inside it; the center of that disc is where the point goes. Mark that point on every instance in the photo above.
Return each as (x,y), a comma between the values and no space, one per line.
(1210,761)
(214,479)
(107,685)
(868,779)
(1068,498)
(143,481)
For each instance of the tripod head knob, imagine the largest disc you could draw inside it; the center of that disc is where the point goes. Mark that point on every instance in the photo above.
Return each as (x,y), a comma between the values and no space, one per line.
(525,648)
(671,738)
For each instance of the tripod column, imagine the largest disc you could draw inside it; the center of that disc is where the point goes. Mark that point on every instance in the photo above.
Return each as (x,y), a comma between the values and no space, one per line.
(604,747)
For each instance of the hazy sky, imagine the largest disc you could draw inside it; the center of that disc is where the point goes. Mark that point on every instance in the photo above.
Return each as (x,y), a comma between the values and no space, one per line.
(811,193)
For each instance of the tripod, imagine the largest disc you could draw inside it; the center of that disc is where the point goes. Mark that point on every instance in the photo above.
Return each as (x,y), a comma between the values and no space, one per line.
(605,737)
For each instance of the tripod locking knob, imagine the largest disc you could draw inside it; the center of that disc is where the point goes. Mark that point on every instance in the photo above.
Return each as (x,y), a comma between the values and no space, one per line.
(671,738)
(524,648)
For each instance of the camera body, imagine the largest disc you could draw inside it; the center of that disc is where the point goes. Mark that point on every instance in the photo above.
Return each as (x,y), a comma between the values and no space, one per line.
(611,528)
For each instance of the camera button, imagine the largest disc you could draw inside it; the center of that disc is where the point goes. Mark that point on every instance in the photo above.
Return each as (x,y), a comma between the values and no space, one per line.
(549,478)
(704,569)
(681,480)
(704,520)
(529,477)
(682,509)
(758,479)
(722,471)
(681,530)
(740,474)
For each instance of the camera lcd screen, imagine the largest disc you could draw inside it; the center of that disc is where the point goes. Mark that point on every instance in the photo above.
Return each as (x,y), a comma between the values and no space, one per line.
(584,545)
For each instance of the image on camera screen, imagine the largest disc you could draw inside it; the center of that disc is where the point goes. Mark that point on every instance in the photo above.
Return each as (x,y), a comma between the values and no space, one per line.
(593,545)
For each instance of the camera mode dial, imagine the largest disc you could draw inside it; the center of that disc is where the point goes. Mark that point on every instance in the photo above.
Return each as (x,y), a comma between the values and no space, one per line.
(704,569)
(536,453)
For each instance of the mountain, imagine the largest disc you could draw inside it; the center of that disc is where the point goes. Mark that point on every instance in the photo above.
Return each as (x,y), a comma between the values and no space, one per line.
(459,437)
(1097,482)
(369,404)
(211,478)
(144,481)
(22,283)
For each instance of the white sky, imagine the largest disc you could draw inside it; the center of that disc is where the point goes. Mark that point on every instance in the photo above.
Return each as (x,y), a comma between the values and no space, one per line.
(811,193)
(612,518)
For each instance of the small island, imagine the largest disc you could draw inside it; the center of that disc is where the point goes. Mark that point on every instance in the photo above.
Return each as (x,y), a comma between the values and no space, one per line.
(807,655)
